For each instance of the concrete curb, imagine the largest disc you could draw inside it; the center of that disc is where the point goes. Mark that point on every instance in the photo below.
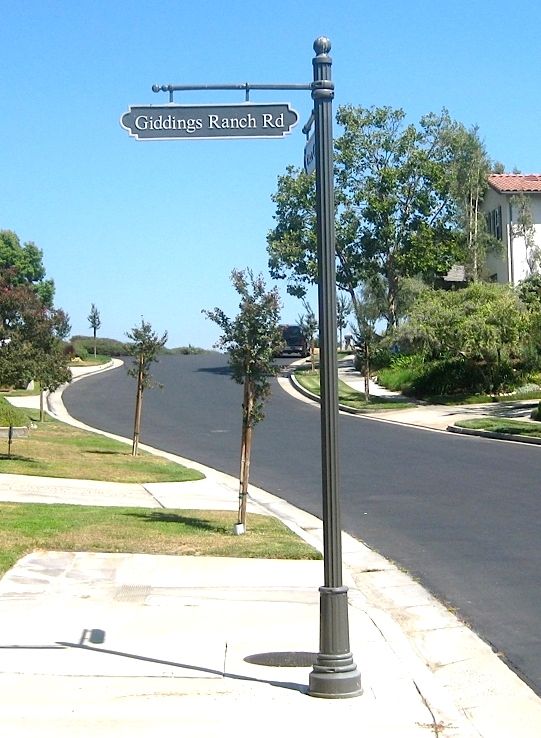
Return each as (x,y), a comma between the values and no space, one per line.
(311,396)
(55,405)
(494,435)
(465,685)
(450,428)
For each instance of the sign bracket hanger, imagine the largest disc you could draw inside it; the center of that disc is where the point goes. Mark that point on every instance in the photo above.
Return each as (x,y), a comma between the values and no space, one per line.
(246,86)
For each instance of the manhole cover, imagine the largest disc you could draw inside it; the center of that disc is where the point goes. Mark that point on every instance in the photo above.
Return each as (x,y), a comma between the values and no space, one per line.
(283,658)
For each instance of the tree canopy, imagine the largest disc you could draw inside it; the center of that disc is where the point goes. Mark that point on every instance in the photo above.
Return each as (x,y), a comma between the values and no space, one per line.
(145,346)
(95,322)
(31,329)
(401,195)
(23,264)
(483,325)
(252,338)
(31,337)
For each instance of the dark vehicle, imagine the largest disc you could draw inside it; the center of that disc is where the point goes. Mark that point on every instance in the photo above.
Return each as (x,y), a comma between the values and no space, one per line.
(295,343)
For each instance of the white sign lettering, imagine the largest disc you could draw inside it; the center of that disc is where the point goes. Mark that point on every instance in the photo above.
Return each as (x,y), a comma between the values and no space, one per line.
(244,120)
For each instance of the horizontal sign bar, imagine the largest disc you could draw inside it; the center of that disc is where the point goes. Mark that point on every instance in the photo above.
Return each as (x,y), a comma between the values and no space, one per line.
(241,120)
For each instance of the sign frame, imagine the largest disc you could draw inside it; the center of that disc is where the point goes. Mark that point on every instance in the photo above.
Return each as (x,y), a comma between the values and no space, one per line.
(253,120)
(310,155)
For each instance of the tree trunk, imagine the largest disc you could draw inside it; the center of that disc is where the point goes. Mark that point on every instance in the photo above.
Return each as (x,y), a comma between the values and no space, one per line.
(356,308)
(94,343)
(392,298)
(138,408)
(137,422)
(478,255)
(246,450)
(41,407)
(366,370)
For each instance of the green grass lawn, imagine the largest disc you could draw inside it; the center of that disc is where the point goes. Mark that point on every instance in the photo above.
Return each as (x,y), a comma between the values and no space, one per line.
(502,425)
(55,449)
(348,396)
(11,415)
(29,527)
(91,360)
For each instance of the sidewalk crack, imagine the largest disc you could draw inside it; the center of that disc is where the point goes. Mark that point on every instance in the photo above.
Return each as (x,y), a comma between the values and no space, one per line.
(437,726)
(153,496)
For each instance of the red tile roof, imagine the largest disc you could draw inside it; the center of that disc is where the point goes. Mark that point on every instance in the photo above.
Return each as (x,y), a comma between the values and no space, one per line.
(515,182)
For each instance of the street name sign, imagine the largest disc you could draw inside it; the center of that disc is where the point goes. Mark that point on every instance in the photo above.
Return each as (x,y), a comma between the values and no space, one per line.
(242,120)
(310,155)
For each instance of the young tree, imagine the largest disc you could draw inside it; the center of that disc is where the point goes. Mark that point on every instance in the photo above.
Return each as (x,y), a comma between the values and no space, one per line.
(523,227)
(95,322)
(469,167)
(51,361)
(367,314)
(308,323)
(145,347)
(343,310)
(252,339)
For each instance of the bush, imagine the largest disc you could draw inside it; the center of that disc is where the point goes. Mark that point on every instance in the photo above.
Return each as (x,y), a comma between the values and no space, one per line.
(381,356)
(79,350)
(412,375)
(402,374)
(104,346)
(10,415)
(185,350)
(449,377)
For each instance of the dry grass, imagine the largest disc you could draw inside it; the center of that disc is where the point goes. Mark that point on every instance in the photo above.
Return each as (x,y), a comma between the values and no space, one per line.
(55,449)
(28,527)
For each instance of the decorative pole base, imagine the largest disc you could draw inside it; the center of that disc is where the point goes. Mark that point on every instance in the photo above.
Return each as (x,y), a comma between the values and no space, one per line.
(335,674)
(335,684)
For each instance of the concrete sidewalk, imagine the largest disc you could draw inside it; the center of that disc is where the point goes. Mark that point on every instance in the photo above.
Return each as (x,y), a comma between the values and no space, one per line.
(118,644)
(138,645)
(103,645)
(436,417)
(432,417)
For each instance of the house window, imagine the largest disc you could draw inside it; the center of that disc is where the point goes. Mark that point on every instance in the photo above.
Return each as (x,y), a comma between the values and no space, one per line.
(494,222)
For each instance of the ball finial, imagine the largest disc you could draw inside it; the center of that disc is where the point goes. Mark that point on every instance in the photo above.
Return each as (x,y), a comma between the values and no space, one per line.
(322,45)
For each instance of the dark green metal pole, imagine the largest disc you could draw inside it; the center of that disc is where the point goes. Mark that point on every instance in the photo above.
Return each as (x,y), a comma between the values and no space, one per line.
(335,674)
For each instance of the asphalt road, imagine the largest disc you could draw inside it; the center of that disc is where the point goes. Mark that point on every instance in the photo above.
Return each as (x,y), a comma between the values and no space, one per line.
(461,514)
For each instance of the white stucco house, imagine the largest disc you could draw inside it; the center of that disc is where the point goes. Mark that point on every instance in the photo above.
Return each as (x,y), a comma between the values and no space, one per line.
(511,264)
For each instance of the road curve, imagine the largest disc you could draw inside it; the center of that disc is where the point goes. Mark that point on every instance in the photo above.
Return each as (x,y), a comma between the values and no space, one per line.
(460,514)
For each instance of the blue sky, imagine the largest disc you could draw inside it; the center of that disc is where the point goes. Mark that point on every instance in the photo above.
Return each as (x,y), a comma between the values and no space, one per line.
(154,228)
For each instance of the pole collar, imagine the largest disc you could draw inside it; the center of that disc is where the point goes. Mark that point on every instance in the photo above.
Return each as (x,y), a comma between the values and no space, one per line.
(323,89)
